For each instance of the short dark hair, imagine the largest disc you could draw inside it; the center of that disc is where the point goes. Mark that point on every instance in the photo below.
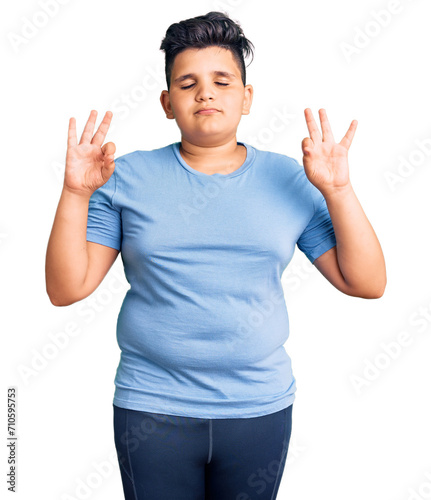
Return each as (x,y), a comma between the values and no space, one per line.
(212,29)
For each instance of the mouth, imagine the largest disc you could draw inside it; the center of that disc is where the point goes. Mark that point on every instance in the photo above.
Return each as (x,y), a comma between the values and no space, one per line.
(207,111)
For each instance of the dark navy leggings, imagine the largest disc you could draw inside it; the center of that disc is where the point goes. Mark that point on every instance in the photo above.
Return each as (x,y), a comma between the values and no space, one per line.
(168,457)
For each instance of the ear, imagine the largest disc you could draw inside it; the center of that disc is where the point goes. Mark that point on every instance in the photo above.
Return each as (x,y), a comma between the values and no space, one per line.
(248,99)
(166,104)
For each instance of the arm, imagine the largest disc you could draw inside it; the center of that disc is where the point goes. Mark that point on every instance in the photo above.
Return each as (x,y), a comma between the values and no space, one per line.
(356,265)
(74,267)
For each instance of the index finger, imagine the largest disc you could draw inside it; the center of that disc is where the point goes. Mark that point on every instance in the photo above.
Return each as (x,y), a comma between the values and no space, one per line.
(100,135)
(312,127)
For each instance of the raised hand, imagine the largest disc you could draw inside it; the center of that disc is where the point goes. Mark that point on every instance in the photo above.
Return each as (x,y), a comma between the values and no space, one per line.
(89,165)
(325,161)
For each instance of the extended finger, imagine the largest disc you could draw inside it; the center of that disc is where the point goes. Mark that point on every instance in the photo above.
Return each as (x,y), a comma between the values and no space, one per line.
(100,135)
(71,136)
(326,128)
(89,127)
(346,141)
(312,127)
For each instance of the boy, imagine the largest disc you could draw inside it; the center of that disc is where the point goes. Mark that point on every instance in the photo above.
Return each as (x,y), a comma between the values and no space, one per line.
(206,227)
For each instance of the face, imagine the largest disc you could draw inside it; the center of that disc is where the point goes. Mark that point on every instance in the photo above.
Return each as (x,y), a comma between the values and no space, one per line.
(206,79)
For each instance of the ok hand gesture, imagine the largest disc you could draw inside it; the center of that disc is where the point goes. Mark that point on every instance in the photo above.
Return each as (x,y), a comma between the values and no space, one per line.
(325,161)
(89,165)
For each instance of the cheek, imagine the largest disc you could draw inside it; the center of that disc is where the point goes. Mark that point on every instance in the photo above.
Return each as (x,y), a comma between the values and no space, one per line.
(179,103)
(179,110)
(237,100)
(236,104)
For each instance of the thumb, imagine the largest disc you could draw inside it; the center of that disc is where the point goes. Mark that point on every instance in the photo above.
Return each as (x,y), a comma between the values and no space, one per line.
(108,148)
(307,146)
(108,151)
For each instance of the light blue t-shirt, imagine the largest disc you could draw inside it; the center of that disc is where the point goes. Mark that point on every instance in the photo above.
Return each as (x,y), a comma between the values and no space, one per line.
(203,326)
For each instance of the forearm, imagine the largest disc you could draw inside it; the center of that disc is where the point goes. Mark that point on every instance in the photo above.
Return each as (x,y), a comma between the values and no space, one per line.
(66,256)
(359,254)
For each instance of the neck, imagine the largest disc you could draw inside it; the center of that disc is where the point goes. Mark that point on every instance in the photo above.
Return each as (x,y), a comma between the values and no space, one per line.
(209,156)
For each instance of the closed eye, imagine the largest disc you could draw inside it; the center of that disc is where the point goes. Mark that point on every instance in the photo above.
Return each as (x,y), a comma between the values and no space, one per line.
(218,83)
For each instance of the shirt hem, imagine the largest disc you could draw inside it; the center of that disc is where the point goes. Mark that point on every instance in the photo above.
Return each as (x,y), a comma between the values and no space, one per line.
(97,238)
(323,247)
(233,412)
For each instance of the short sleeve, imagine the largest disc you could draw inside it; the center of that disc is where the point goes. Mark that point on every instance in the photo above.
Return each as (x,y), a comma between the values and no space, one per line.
(104,219)
(318,236)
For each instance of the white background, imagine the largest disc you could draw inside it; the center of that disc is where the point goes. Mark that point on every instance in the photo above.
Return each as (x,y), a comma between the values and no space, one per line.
(361,416)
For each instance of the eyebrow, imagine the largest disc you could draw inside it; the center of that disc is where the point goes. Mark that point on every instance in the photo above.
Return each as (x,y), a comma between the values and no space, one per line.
(216,73)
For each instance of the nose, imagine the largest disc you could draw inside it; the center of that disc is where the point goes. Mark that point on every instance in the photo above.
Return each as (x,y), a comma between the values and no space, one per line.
(205,91)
